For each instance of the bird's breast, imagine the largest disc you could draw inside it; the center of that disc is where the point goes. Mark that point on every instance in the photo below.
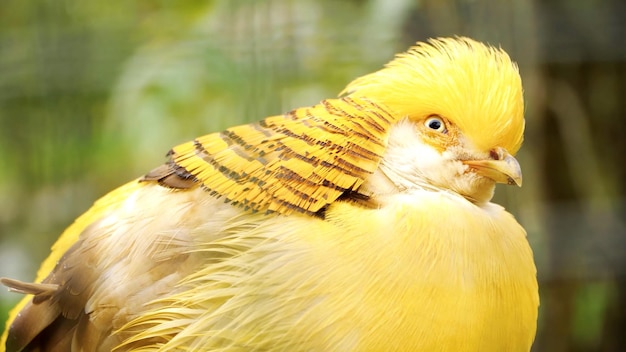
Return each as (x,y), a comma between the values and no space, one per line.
(430,262)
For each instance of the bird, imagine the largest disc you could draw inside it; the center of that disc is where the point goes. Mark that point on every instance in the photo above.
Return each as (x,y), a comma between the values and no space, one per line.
(361,223)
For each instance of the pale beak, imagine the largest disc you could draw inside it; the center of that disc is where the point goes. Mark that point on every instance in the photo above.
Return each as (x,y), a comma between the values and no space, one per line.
(502,167)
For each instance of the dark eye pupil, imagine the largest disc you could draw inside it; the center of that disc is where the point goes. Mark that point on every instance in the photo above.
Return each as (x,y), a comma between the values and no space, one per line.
(435,125)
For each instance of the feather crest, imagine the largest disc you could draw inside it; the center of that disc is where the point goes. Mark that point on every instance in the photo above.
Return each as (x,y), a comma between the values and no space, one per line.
(475,86)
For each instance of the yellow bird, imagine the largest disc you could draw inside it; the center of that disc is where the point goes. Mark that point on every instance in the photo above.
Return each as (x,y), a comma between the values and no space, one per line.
(363,223)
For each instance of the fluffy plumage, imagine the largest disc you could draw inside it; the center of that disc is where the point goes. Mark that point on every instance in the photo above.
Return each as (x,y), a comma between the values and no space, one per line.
(362,223)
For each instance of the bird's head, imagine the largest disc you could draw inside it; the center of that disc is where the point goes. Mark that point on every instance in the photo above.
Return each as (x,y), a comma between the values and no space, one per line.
(461,121)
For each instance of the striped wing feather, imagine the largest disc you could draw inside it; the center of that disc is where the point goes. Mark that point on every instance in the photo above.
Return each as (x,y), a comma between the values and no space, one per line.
(297,162)
(300,161)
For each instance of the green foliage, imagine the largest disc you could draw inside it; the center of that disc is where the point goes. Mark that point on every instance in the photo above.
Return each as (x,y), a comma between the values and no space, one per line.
(592,302)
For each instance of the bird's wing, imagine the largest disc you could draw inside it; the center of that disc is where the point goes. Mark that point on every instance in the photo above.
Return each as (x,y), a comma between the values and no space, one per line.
(301,161)
(46,310)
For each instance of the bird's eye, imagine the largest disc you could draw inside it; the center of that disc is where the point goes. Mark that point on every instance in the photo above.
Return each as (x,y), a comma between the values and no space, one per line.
(436,123)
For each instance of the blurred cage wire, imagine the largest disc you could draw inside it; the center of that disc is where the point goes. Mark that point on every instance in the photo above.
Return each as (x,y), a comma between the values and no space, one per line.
(93,94)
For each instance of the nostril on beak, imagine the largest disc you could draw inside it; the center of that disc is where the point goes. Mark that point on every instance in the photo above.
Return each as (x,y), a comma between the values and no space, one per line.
(498,153)
(495,155)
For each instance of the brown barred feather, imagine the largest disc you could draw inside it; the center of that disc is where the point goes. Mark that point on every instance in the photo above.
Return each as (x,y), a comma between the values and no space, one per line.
(297,162)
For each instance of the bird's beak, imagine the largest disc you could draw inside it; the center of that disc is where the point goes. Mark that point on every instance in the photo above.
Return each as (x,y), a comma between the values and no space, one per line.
(502,167)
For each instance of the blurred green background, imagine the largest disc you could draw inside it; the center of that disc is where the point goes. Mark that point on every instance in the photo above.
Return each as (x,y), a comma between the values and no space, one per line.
(93,94)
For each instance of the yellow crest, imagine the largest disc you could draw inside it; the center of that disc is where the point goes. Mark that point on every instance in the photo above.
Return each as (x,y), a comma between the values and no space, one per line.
(474,85)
